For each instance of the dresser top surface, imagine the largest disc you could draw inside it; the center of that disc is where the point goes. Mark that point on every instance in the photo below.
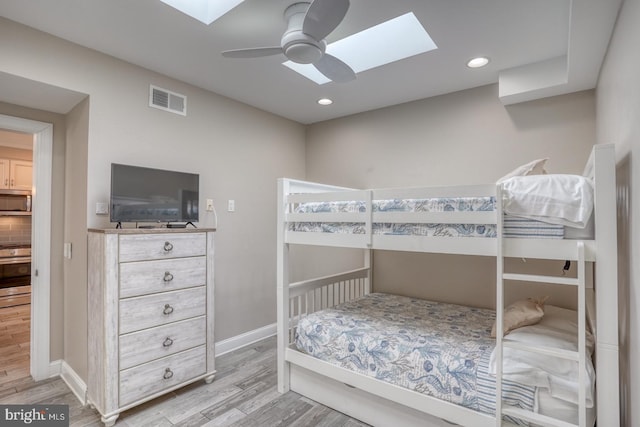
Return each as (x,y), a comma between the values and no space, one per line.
(158,230)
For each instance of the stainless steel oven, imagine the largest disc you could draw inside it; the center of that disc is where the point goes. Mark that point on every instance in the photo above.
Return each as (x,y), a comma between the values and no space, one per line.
(15,275)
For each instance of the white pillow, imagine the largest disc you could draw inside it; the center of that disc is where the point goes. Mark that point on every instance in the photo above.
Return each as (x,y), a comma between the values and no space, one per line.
(556,199)
(535,167)
(558,329)
(566,320)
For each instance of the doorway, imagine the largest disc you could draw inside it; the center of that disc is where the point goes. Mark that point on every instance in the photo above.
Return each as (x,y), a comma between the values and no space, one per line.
(39,336)
(16,185)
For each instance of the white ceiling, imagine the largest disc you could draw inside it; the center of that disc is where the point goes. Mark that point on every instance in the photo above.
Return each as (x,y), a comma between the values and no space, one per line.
(537,48)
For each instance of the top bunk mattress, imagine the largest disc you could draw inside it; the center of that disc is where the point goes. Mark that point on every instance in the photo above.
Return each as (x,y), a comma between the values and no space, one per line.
(514,226)
(538,206)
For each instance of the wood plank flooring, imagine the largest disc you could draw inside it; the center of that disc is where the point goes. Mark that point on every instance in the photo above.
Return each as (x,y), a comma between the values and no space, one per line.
(243,394)
(15,323)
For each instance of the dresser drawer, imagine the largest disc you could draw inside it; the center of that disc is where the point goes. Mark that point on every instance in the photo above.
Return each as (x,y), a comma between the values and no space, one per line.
(141,247)
(144,346)
(139,313)
(152,377)
(148,277)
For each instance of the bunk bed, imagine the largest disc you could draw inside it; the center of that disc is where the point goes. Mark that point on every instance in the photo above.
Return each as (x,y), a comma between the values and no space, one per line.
(395,219)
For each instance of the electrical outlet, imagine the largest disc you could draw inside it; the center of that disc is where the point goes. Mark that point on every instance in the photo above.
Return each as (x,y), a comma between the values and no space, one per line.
(231,206)
(102,208)
(209,207)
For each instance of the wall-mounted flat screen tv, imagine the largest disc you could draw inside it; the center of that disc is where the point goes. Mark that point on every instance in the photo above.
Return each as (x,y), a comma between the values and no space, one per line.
(140,194)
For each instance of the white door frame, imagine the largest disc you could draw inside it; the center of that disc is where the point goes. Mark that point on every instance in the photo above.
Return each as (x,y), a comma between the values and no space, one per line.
(40,239)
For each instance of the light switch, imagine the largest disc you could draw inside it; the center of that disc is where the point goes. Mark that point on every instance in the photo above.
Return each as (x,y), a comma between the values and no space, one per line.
(67,250)
(209,207)
(231,206)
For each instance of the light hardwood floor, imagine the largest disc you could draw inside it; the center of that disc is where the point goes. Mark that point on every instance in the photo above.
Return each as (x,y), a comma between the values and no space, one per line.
(15,325)
(243,394)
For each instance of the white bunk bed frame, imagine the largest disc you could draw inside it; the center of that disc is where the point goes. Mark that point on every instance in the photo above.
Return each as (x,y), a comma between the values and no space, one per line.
(380,403)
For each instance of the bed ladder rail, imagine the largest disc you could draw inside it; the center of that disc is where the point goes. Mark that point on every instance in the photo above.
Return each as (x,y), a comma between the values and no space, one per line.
(502,342)
(541,279)
(548,351)
(535,418)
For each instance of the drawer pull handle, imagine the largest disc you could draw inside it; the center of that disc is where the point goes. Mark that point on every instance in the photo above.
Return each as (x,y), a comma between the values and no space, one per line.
(167,309)
(167,342)
(168,246)
(168,373)
(167,276)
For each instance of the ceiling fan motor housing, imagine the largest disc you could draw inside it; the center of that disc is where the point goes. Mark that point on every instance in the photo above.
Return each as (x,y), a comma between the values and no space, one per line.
(303,49)
(296,45)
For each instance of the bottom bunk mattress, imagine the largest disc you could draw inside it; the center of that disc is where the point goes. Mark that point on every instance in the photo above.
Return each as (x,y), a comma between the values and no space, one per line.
(439,349)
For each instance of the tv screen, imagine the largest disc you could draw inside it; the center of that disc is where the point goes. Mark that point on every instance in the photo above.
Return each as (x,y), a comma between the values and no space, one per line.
(141,194)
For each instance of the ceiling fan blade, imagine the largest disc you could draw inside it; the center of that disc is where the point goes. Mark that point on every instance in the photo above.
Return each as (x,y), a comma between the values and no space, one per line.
(323,16)
(334,69)
(252,52)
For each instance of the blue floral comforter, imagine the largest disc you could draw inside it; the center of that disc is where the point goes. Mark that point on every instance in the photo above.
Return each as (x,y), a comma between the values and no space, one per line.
(434,348)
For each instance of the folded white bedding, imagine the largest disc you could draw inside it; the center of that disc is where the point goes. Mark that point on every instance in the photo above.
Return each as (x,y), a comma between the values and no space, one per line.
(556,199)
(560,409)
(559,329)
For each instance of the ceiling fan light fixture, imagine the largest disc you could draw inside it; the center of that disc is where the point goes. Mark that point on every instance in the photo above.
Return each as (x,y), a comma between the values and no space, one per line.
(478,62)
(325,101)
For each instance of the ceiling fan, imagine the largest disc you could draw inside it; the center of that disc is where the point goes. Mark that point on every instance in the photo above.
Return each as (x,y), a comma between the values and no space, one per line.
(303,41)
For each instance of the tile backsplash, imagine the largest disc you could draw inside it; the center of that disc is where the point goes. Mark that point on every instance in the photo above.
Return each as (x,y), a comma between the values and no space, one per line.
(15,229)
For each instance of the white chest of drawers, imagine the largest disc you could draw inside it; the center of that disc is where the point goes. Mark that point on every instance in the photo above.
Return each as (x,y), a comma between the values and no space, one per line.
(151,315)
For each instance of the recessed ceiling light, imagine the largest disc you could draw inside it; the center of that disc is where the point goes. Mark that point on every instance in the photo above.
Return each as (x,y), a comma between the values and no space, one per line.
(390,41)
(325,101)
(478,62)
(205,11)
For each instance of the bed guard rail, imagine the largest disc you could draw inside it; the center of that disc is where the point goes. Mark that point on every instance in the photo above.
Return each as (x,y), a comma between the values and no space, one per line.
(312,295)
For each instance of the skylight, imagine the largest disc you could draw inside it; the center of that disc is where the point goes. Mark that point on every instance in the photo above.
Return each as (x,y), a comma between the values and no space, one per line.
(205,11)
(390,41)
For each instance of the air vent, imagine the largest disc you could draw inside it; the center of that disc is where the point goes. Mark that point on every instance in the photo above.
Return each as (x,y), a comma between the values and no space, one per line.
(167,100)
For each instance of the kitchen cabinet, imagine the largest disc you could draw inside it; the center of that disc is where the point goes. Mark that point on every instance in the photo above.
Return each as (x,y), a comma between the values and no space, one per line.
(16,174)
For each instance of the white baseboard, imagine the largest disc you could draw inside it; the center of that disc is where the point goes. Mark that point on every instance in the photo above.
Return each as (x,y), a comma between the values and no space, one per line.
(54,368)
(72,379)
(239,341)
(79,388)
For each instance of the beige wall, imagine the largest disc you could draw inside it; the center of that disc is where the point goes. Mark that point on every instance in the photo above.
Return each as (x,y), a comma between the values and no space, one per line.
(239,151)
(57,212)
(75,225)
(618,121)
(461,138)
